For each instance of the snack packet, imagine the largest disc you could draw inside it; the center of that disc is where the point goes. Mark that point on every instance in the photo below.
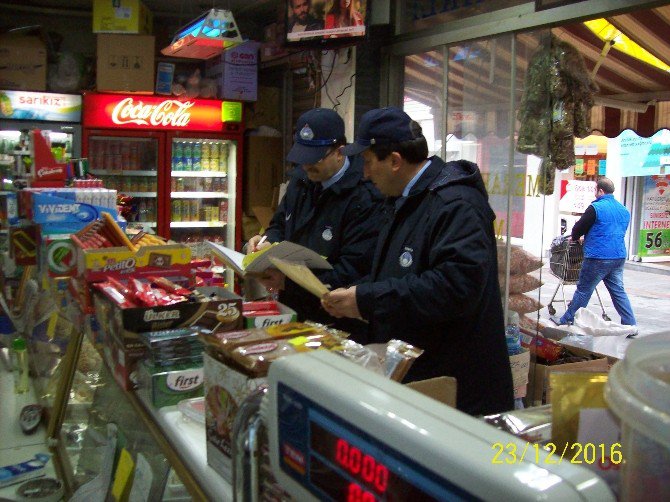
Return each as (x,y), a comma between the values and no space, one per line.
(399,358)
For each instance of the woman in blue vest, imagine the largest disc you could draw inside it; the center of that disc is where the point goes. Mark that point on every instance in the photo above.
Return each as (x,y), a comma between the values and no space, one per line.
(604,224)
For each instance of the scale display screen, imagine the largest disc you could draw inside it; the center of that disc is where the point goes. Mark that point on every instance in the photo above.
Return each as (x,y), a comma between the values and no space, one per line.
(335,460)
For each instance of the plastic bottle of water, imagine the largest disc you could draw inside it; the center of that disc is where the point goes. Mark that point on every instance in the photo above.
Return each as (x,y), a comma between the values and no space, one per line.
(20,366)
(512,334)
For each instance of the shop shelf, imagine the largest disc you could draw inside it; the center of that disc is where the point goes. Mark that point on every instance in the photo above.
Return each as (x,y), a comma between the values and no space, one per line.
(199,195)
(197,224)
(199,174)
(138,194)
(121,172)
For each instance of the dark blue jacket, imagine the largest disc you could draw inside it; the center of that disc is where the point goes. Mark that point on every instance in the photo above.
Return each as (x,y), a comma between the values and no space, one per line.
(605,239)
(342,225)
(434,284)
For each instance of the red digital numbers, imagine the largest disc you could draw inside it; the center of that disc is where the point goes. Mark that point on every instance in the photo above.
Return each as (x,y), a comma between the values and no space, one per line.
(363,466)
(357,494)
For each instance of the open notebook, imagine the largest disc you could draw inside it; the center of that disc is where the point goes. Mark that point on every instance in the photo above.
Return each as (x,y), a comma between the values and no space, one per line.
(257,262)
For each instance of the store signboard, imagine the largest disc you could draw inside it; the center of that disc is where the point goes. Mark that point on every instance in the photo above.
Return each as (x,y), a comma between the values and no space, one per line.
(121,111)
(47,106)
(654,238)
(576,195)
(640,156)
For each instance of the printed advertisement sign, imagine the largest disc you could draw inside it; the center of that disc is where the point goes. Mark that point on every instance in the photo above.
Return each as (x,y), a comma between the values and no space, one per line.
(654,238)
(644,156)
(576,195)
(151,112)
(47,106)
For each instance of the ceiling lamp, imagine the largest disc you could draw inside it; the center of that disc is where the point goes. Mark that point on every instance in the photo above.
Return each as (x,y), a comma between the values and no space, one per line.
(205,36)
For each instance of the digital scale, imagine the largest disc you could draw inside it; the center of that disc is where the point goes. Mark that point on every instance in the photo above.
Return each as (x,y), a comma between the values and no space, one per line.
(340,432)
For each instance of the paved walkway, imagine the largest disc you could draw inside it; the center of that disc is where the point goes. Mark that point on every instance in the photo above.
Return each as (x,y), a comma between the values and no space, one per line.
(649,293)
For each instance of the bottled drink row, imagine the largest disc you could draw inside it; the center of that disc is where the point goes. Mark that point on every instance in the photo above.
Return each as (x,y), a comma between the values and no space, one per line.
(130,183)
(199,210)
(200,155)
(143,210)
(198,184)
(122,154)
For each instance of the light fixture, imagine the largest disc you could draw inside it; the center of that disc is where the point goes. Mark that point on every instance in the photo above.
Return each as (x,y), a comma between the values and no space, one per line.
(206,36)
(622,105)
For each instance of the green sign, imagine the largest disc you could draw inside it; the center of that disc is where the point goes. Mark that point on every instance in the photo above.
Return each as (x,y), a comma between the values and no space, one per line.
(231,111)
(654,236)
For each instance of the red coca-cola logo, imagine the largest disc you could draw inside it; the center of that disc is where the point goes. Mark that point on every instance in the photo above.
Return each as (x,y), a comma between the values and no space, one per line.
(166,113)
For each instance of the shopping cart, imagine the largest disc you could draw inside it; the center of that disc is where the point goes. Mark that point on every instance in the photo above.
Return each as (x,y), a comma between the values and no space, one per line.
(565,263)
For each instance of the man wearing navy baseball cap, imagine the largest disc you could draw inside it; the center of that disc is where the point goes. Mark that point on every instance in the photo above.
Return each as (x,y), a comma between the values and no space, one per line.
(329,208)
(434,278)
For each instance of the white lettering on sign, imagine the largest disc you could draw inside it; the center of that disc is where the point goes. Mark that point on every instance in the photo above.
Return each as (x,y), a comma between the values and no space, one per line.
(46,171)
(57,208)
(166,113)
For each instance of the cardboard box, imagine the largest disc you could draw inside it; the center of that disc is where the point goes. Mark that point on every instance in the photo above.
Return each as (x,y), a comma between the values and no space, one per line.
(539,390)
(225,389)
(236,72)
(286,314)
(23,63)
(263,170)
(121,16)
(168,259)
(122,360)
(125,63)
(125,324)
(442,389)
(168,386)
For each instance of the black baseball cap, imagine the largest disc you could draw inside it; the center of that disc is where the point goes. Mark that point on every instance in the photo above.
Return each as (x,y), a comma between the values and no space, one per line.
(317,131)
(382,125)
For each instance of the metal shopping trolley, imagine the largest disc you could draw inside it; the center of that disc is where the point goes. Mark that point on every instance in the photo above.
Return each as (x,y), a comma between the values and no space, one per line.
(566,263)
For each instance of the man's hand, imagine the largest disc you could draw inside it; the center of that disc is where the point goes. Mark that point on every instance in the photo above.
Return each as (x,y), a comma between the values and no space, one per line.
(341,303)
(256,243)
(272,279)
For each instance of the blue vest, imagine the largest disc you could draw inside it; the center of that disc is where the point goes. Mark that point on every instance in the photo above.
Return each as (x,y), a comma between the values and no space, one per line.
(605,239)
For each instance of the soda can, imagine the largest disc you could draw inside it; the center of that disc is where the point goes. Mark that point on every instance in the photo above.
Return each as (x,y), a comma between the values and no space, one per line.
(223,211)
(173,184)
(176,210)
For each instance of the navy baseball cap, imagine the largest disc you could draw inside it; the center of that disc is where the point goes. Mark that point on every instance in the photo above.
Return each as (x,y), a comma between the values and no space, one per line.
(383,125)
(317,131)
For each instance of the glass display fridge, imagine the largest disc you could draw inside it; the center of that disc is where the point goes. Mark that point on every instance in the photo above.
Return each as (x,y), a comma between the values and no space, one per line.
(58,116)
(177,158)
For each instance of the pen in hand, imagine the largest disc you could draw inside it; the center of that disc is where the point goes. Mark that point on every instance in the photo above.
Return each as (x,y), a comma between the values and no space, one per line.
(263,239)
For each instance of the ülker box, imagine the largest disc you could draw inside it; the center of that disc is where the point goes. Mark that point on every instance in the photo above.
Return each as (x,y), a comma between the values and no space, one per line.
(223,314)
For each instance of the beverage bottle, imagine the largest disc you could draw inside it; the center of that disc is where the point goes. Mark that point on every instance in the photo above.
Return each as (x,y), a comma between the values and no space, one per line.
(20,365)
(223,158)
(188,156)
(512,334)
(177,157)
(197,155)
(205,156)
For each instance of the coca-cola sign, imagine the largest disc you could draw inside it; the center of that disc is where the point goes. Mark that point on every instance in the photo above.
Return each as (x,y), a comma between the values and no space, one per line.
(152,112)
(167,113)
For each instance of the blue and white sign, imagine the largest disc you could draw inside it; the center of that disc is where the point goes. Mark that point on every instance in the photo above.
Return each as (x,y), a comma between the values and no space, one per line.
(47,106)
(640,156)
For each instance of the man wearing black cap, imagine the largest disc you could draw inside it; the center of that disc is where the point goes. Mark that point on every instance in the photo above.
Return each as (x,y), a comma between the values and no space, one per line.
(434,279)
(329,208)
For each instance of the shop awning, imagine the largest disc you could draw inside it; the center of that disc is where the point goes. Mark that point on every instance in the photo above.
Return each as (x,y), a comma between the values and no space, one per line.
(479,77)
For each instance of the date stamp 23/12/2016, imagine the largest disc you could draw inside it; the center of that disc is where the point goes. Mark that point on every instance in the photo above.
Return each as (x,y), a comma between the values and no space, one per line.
(607,456)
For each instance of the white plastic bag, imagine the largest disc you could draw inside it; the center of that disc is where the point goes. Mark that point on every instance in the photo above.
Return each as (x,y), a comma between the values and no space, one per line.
(590,323)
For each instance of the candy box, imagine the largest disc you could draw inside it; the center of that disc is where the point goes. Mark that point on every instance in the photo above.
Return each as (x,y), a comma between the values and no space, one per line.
(169,386)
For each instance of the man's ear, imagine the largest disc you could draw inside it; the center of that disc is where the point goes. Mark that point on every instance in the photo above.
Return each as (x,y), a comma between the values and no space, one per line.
(396,161)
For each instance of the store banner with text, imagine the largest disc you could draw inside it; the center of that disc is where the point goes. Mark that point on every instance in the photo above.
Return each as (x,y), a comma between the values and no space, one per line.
(654,238)
(644,156)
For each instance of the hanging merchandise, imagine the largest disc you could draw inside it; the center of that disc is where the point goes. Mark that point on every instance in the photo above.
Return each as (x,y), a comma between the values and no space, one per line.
(555,107)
